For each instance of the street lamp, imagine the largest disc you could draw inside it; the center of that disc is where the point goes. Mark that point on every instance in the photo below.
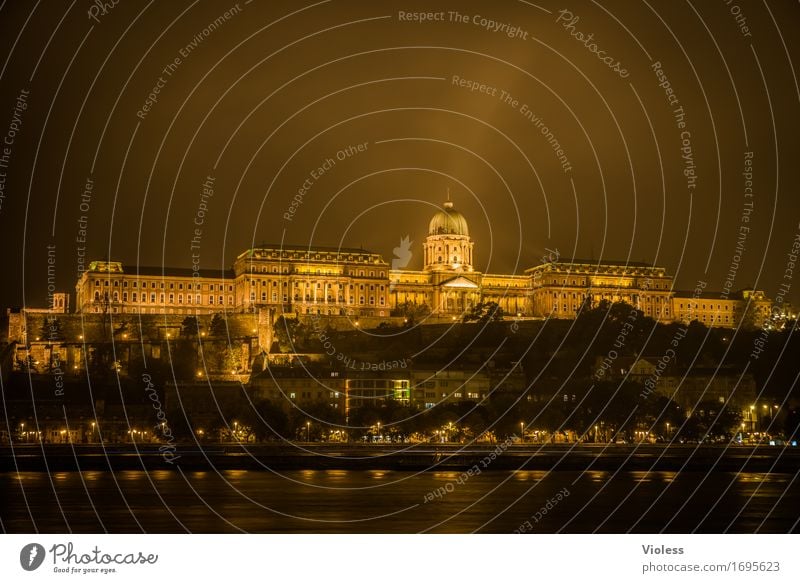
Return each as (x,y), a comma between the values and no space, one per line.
(522,431)
(308,431)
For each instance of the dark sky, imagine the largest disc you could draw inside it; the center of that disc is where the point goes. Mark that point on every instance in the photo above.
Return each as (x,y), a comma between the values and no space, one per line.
(262,100)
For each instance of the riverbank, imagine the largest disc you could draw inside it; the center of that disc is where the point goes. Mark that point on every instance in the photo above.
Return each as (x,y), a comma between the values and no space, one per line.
(413,457)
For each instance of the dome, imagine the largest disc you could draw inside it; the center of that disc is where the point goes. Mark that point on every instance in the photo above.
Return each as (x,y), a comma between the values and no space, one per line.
(448,221)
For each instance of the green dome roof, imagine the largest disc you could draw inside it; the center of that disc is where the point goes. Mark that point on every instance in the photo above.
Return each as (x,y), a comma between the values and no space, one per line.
(448,221)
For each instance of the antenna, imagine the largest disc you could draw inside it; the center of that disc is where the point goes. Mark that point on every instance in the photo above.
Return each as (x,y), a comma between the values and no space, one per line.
(448,204)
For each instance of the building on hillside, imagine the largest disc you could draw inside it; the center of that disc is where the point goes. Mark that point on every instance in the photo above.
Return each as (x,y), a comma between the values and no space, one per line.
(448,282)
(560,288)
(690,387)
(328,281)
(421,387)
(714,310)
(110,287)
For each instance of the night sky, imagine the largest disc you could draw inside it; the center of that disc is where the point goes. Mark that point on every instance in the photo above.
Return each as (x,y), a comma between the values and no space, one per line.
(253,99)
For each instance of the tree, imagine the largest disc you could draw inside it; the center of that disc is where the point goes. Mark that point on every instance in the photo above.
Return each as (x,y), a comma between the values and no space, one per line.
(411,311)
(228,359)
(268,421)
(121,329)
(219,326)
(294,336)
(190,326)
(51,330)
(484,312)
(103,303)
(101,362)
(183,359)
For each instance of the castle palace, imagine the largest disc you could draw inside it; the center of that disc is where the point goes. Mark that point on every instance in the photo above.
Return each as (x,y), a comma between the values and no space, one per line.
(331,281)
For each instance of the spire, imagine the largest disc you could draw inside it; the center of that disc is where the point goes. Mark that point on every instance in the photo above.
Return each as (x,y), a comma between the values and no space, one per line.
(448,203)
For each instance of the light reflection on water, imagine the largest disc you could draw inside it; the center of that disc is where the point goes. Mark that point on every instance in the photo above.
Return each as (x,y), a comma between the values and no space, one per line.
(349,501)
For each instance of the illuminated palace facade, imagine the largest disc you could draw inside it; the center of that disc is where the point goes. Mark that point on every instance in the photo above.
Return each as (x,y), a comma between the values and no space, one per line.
(354,282)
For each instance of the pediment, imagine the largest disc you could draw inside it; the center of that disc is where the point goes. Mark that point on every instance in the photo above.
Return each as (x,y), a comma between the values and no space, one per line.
(460,282)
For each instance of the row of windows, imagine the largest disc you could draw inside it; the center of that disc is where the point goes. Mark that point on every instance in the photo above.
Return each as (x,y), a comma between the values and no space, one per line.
(136,310)
(582,282)
(361,272)
(362,300)
(306,256)
(695,306)
(162,298)
(318,285)
(162,285)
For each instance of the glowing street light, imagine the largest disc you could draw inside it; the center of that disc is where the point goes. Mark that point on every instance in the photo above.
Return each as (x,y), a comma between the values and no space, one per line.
(308,430)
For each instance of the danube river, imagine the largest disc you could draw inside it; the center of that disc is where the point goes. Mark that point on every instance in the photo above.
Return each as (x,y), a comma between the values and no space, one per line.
(392,501)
